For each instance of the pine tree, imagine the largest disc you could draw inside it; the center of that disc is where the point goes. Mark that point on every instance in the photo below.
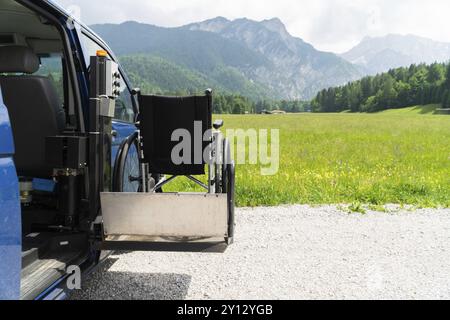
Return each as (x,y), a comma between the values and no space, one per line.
(435,73)
(447,78)
(446,99)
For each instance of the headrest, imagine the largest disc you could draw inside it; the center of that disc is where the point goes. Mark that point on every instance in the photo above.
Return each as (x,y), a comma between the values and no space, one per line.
(18,59)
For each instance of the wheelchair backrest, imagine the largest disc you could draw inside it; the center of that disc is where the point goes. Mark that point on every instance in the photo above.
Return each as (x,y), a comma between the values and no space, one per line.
(160,117)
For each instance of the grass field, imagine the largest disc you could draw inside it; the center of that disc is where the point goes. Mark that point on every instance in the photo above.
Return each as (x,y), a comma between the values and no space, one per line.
(398,157)
(418,110)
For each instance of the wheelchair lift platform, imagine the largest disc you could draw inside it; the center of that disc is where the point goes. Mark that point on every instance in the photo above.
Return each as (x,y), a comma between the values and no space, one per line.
(192,220)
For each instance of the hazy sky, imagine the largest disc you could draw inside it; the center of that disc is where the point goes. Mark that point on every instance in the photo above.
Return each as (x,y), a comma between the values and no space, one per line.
(331,25)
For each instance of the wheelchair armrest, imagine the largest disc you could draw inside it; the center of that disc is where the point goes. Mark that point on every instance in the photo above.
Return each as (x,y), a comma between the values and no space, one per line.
(218,124)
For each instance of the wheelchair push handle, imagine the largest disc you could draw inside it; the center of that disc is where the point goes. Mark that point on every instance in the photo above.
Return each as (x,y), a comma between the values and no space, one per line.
(218,124)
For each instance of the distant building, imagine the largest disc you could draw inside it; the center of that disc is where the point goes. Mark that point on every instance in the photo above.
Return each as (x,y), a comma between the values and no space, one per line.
(278,112)
(273,112)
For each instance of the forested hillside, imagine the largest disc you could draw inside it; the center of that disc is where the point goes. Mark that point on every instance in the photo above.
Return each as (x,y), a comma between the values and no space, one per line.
(236,104)
(157,75)
(402,87)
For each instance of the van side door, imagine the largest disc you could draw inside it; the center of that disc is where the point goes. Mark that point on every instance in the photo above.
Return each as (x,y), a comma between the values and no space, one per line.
(10,214)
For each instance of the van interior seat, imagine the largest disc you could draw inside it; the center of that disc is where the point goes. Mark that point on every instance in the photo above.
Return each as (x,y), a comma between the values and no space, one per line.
(34,108)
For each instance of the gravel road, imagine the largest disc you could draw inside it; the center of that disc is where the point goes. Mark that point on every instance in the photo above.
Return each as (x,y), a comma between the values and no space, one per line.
(296,252)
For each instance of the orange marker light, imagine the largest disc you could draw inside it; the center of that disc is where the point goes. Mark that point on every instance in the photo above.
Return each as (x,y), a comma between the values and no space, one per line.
(102,53)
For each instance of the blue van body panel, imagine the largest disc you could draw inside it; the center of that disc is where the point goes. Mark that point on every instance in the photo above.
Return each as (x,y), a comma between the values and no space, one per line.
(6,141)
(10,215)
(44,185)
(124,130)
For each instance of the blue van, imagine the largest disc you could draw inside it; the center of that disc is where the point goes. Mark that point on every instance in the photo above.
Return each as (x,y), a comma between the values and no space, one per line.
(84,158)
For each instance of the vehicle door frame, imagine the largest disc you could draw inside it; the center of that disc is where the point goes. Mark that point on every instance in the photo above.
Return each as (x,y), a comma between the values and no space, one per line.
(122,129)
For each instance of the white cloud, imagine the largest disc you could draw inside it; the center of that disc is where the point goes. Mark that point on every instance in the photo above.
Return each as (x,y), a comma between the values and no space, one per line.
(332,25)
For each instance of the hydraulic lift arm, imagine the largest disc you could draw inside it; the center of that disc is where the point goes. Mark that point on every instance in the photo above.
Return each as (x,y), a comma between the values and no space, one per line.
(104,89)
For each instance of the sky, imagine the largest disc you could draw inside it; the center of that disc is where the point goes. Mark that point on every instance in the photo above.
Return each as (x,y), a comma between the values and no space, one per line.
(329,25)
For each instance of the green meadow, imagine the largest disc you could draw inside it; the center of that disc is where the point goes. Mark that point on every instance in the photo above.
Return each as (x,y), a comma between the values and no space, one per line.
(398,157)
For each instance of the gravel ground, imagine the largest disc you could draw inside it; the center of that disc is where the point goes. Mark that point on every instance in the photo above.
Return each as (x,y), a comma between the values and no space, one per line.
(296,252)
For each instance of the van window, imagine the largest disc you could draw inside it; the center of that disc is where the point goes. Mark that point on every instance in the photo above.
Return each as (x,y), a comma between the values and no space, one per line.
(124,105)
(124,110)
(51,66)
(90,48)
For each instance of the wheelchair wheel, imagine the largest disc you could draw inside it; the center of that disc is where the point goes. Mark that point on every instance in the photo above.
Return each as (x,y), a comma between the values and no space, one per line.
(230,173)
(228,186)
(225,166)
(127,171)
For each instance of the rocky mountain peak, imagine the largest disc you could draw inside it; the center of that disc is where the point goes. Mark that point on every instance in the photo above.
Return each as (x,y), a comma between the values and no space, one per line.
(215,25)
(275,25)
(379,54)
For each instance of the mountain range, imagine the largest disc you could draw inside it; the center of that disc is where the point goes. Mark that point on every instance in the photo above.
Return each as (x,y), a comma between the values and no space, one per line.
(377,55)
(257,59)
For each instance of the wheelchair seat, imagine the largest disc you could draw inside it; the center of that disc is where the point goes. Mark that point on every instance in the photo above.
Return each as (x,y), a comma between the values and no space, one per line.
(34,108)
(160,117)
